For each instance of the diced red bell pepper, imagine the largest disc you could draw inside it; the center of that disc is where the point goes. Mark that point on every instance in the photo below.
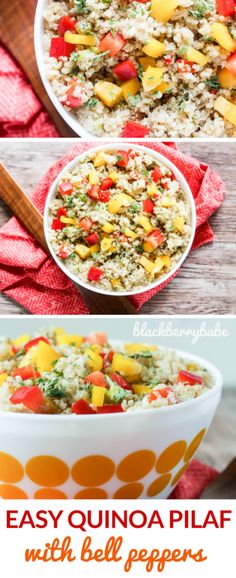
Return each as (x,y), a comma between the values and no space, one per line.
(108,358)
(57,225)
(86,223)
(31,397)
(148,206)
(92,239)
(65,188)
(73,101)
(95,274)
(184,65)
(155,238)
(82,407)
(225,7)
(231,63)
(26,372)
(112,43)
(61,212)
(104,196)
(134,130)
(60,48)
(156,175)
(64,251)
(111,408)
(96,378)
(74,95)
(125,70)
(169,59)
(157,393)
(106,184)
(122,158)
(121,381)
(65,23)
(93,193)
(98,338)
(189,378)
(34,342)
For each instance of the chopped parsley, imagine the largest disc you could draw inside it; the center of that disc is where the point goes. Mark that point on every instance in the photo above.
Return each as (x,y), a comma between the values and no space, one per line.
(202,7)
(92,102)
(213,83)
(80,6)
(53,388)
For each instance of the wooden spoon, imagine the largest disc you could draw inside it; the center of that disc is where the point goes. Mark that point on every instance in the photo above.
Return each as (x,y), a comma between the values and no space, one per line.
(17,33)
(23,208)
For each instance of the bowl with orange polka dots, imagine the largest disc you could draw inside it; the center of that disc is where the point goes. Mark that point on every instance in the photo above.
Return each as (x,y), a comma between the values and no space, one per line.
(136,454)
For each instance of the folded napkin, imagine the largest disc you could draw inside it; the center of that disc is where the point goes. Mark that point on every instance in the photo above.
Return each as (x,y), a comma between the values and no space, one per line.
(31,277)
(194,481)
(21,114)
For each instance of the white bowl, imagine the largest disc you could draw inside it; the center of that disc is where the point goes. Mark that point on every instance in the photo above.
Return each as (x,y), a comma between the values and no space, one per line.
(40,451)
(69,118)
(184,185)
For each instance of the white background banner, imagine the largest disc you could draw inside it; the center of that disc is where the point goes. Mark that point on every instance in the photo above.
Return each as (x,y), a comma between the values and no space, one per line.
(171,538)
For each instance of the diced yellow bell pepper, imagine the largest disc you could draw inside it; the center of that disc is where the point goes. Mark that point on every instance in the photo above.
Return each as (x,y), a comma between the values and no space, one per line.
(152,189)
(162,10)
(130,88)
(154,48)
(106,245)
(58,331)
(113,176)
(148,247)
(226,108)
(94,249)
(66,339)
(158,266)
(196,56)
(98,395)
(108,92)
(95,360)
(147,264)
(29,357)
(140,389)
(226,78)
(146,61)
(119,201)
(3,377)
(96,347)
(129,233)
(68,220)
(82,251)
(221,35)
(93,178)
(99,160)
(163,87)
(86,39)
(108,228)
(138,348)
(152,77)
(145,223)
(21,340)
(192,367)
(178,223)
(167,202)
(125,366)
(45,356)
(115,282)
(166,260)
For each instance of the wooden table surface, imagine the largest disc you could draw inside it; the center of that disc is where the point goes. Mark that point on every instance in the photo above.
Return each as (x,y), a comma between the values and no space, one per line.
(206,283)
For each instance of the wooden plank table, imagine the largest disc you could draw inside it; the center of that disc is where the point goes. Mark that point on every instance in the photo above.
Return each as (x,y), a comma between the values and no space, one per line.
(206,283)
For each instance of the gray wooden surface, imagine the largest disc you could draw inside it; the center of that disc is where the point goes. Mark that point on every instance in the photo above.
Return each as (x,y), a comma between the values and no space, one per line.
(206,283)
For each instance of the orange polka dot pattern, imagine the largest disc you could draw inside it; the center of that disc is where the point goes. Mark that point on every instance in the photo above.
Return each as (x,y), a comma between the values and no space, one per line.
(91,472)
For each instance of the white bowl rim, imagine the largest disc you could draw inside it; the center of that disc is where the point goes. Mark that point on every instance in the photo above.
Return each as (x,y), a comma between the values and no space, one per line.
(181,179)
(211,393)
(39,53)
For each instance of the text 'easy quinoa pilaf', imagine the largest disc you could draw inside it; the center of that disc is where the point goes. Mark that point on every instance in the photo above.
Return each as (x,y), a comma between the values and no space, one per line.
(137,68)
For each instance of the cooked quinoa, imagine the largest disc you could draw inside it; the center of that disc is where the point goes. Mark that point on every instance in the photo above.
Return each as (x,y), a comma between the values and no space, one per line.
(54,372)
(139,68)
(119,220)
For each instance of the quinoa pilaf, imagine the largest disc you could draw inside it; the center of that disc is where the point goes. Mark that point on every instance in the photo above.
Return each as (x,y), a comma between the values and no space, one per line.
(119,220)
(54,372)
(138,68)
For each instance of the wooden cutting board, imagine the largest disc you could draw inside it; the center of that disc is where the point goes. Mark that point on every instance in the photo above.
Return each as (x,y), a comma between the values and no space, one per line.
(17,34)
(23,208)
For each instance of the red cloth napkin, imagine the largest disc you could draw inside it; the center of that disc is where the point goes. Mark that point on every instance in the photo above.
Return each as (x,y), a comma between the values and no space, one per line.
(21,114)
(30,276)
(194,481)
